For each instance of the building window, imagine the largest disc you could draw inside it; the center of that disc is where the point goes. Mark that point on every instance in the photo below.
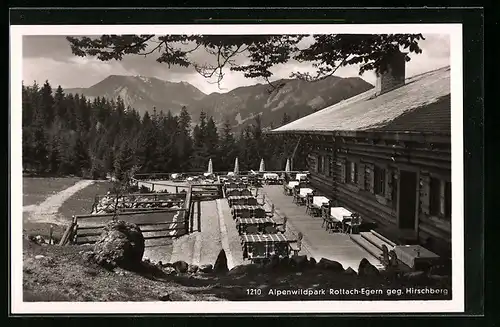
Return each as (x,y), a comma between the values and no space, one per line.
(352,172)
(379,178)
(394,197)
(330,168)
(440,198)
(367,178)
(320,164)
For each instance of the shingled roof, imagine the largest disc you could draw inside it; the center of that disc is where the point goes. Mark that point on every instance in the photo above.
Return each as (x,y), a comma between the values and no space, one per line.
(421,105)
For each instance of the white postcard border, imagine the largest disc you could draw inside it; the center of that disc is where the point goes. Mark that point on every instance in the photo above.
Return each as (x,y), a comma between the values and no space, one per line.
(456,63)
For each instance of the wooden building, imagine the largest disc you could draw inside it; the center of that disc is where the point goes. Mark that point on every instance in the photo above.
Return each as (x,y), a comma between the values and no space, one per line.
(386,154)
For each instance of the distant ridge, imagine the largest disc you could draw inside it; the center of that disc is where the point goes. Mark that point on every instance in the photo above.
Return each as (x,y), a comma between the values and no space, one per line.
(239,106)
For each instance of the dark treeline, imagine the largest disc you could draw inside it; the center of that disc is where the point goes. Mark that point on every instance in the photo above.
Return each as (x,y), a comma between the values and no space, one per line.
(66,134)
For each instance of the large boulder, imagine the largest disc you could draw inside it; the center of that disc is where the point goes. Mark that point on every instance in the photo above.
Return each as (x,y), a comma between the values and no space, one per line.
(299,262)
(220,265)
(350,271)
(330,265)
(120,244)
(208,268)
(367,269)
(243,270)
(180,266)
(193,269)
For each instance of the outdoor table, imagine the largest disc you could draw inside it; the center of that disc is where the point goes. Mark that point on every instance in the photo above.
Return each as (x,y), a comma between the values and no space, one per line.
(237,209)
(289,187)
(340,213)
(318,201)
(415,255)
(240,199)
(305,191)
(271,176)
(241,223)
(272,244)
(300,177)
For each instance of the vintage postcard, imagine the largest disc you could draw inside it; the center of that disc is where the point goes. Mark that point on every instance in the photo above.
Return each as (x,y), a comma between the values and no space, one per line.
(237,168)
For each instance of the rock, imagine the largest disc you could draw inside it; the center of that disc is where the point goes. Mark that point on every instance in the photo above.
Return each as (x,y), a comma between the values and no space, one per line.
(414,275)
(206,268)
(243,270)
(330,265)
(312,262)
(350,271)
(180,266)
(170,271)
(220,265)
(367,269)
(300,262)
(120,244)
(88,256)
(273,263)
(193,269)
(39,256)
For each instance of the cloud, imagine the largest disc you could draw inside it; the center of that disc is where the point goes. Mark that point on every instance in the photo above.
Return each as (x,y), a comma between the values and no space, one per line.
(50,58)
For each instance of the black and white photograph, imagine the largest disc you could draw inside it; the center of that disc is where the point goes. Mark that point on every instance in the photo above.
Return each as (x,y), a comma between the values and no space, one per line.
(224,167)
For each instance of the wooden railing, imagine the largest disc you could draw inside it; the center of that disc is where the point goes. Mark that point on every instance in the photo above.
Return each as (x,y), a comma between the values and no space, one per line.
(166,176)
(80,233)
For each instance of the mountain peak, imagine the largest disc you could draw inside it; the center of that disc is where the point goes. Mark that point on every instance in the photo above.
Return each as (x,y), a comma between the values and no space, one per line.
(297,98)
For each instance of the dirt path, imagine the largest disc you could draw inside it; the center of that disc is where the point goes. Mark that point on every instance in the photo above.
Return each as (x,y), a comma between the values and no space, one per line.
(47,211)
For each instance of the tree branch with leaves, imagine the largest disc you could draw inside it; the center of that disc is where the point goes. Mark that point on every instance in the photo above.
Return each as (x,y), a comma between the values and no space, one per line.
(326,52)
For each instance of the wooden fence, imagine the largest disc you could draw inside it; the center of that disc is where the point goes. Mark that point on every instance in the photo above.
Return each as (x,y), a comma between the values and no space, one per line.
(167,176)
(87,228)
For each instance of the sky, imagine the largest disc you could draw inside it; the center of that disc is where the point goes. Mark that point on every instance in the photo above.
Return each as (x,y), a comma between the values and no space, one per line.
(50,58)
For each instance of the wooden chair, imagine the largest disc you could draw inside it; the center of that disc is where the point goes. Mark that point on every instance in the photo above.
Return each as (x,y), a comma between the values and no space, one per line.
(309,203)
(327,219)
(257,252)
(282,249)
(393,258)
(385,256)
(353,224)
(282,226)
(297,245)
(295,191)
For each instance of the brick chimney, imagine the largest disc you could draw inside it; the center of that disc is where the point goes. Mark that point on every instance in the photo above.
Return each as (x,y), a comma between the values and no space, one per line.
(394,76)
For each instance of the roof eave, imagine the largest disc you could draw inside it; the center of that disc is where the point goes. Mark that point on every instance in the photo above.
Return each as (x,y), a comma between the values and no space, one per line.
(379,134)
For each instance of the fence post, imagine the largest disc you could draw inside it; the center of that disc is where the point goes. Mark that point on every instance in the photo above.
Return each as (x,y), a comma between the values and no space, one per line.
(191,223)
(199,215)
(263,199)
(272,209)
(50,234)
(176,189)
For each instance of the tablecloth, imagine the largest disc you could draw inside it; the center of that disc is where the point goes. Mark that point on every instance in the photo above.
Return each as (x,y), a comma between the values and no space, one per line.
(339,213)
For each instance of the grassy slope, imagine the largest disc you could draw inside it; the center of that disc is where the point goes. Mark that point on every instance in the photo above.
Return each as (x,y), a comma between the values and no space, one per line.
(36,190)
(81,202)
